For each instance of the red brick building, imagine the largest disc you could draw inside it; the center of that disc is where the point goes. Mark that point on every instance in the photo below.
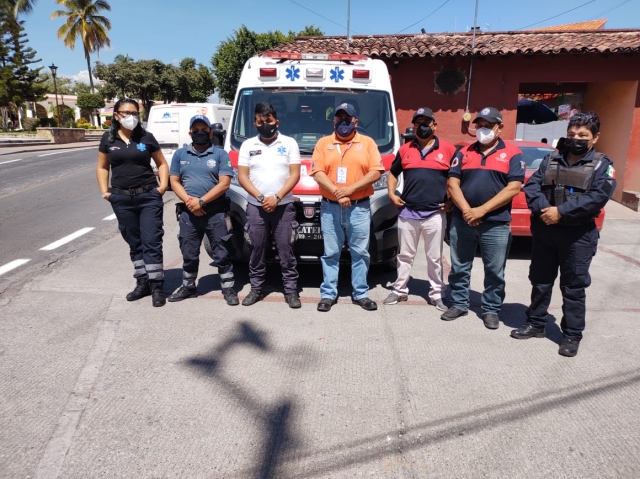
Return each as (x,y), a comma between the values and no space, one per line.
(432,70)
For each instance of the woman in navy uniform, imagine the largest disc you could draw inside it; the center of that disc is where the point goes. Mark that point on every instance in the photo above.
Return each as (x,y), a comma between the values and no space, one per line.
(565,195)
(126,151)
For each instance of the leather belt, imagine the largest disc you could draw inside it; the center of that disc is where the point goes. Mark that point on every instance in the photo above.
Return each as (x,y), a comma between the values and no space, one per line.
(353,202)
(132,191)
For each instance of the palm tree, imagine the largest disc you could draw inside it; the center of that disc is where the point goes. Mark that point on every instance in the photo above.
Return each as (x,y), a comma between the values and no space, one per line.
(84,21)
(22,6)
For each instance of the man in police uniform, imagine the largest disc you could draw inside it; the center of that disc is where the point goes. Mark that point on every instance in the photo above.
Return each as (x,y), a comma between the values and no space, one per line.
(424,163)
(565,195)
(345,165)
(484,177)
(200,174)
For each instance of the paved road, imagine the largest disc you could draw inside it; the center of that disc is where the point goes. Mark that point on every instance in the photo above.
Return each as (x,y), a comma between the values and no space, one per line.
(94,386)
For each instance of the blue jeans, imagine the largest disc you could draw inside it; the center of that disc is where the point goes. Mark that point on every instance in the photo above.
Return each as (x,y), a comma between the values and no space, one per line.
(495,241)
(354,222)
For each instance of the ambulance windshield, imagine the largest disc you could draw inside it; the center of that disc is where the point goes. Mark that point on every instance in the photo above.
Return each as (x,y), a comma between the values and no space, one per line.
(307,115)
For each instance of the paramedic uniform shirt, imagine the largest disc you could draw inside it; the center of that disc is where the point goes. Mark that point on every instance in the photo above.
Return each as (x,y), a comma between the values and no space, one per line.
(200,172)
(130,164)
(269,164)
(359,156)
(483,177)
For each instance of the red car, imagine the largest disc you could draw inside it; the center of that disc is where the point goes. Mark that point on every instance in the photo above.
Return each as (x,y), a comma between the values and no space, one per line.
(533,153)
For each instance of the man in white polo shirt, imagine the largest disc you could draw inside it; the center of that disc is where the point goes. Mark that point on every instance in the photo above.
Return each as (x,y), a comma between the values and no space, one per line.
(268,169)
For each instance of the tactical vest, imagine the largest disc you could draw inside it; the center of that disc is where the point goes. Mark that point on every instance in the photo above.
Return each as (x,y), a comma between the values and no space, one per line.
(562,183)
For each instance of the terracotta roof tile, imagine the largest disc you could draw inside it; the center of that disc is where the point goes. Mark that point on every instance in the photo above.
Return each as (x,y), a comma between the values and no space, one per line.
(590,25)
(459,44)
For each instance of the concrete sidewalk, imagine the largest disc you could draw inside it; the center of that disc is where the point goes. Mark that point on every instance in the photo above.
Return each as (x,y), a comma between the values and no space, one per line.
(12,150)
(94,386)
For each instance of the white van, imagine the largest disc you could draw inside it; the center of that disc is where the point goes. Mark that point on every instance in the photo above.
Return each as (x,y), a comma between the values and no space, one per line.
(170,123)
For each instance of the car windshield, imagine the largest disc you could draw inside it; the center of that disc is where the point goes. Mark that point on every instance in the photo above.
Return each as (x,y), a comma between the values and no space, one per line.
(307,115)
(534,155)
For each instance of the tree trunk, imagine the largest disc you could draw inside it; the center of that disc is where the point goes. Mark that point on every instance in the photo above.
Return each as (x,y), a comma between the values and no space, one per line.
(93,90)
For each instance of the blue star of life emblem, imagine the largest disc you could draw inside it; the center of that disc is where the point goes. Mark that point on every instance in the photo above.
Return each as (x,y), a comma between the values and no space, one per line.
(141,147)
(293,73)
(336,74)
(282,150)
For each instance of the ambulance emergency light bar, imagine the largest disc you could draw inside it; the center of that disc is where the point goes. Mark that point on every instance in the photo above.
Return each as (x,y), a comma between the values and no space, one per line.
(345,57)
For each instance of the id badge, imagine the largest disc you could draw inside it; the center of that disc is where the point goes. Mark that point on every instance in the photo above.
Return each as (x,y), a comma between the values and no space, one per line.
(341,174)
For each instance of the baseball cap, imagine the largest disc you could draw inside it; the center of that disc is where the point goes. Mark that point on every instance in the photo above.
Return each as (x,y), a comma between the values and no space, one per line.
(423,111)
(492,115)
(201,118)
(348,108)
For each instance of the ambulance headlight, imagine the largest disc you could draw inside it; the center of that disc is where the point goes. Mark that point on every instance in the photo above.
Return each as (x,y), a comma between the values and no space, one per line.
(381,184)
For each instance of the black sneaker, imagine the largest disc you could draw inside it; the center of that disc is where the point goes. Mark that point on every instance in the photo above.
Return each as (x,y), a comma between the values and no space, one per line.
(491,321)
(252,298)
(527,331)
(183,292)
(453,313)
(293,300)
(569,347)
(230,297)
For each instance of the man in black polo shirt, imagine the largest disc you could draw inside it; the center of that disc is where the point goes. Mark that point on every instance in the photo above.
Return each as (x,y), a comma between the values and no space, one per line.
(424,163)
(484,177)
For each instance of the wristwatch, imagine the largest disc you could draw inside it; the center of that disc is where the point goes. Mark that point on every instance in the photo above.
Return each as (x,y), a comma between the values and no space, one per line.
(202,203)
(260,198)
(278,199)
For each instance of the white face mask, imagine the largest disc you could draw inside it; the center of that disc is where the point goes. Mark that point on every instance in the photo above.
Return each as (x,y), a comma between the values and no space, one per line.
(485,135)
(129,122)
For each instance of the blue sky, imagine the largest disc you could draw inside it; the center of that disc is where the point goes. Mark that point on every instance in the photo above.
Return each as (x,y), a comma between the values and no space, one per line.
(170,30)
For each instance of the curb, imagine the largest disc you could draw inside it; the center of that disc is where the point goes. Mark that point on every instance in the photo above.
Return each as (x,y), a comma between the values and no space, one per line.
(27,150)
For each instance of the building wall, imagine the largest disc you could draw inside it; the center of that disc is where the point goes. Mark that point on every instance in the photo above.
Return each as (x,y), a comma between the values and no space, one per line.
(496,81)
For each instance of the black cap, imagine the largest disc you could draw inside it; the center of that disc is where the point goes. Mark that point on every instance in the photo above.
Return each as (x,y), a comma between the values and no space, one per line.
(492,115)
(423,111)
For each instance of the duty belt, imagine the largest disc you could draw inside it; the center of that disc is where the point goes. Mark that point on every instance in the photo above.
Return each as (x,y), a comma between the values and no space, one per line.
(132,191)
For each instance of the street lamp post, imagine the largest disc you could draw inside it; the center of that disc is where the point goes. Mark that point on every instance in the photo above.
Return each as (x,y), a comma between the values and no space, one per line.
(54,70)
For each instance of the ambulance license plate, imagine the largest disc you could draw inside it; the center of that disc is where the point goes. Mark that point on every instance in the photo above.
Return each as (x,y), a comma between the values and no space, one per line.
(309,233)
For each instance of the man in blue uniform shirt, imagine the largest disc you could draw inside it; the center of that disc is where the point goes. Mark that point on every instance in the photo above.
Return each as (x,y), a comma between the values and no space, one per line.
(483,180)
(565,195)
(200,174)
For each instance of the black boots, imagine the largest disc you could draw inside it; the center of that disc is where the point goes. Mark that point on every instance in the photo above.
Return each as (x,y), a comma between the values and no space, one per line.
(141,290)
(157,294)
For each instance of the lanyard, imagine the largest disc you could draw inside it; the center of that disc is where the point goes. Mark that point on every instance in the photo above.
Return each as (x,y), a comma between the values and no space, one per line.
(345,151)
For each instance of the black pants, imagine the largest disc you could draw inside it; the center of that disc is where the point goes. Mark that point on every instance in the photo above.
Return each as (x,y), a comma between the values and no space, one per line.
(570,249)
(140,223)
(192,231)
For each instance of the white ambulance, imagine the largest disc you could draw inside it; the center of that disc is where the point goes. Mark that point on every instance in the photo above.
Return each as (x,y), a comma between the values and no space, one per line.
(305,89)
(169,123)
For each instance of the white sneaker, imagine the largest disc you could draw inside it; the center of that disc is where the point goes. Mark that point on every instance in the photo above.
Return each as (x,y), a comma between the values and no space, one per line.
(394,298)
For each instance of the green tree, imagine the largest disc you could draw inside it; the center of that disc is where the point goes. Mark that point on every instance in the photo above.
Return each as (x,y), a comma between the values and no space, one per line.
(232,53)
(22,6)
(89,101)
(83,20)
(309,31)
(19,81)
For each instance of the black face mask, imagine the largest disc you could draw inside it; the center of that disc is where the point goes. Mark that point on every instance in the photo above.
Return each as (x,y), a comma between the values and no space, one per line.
(424,131)
(200,138)
(576,146)
(267,130)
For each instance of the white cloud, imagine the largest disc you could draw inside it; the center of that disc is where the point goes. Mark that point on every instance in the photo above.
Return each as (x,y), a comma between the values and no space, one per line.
(81,77)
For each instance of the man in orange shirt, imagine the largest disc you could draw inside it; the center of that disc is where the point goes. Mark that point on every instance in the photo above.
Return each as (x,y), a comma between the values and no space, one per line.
(345,165)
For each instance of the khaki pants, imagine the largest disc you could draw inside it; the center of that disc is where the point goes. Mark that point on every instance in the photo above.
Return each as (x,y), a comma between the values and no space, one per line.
(432,231)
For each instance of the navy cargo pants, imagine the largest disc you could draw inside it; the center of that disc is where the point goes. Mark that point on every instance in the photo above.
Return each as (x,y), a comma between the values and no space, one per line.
(259,227)
(571,249)
(141,225)
(192,231)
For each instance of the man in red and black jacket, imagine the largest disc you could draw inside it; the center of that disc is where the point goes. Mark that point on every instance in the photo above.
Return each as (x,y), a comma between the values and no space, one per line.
(424,163)
(484,177)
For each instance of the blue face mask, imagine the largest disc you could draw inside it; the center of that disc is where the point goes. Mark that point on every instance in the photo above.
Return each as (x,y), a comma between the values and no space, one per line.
(345,128)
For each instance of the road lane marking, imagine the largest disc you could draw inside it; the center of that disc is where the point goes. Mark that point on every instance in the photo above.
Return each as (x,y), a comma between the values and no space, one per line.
(10,161)
(110,217)
(67,151)
(66,239)
(13,265)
